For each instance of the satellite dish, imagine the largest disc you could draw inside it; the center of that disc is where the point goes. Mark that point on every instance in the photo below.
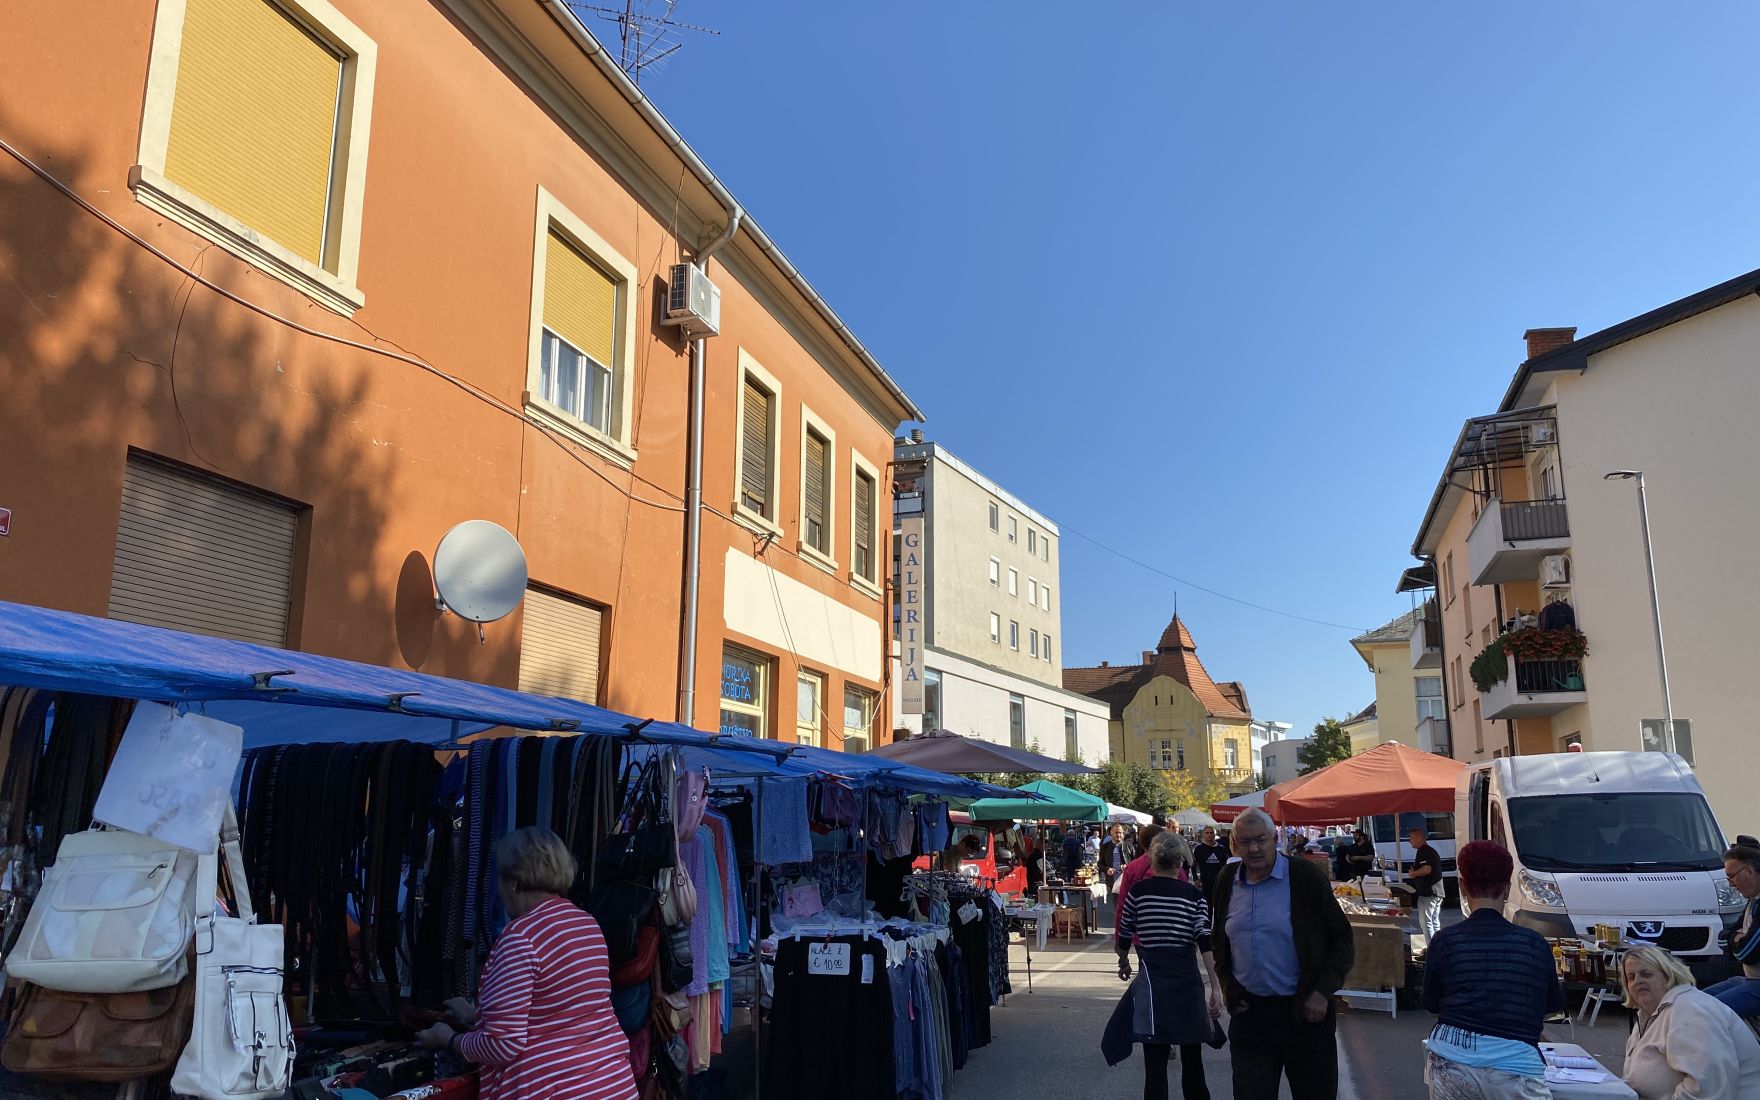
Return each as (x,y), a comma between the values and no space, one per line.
(480,571)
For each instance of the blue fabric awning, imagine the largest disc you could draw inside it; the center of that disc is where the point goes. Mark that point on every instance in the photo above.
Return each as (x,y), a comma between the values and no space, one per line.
(282,696)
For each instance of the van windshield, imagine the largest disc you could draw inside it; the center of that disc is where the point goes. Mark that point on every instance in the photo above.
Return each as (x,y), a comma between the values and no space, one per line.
(973,841)
(1622,831)
(1439,826)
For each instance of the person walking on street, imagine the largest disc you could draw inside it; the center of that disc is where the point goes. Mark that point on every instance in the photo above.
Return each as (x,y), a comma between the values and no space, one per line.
(1113,857)
(1283,948)
(1211,856)
(1742,993)
(1137,869)
(1167,1006)
(1426,882)
(1492,985)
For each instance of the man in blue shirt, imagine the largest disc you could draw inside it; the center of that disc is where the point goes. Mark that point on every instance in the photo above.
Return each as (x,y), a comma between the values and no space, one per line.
(1283,947)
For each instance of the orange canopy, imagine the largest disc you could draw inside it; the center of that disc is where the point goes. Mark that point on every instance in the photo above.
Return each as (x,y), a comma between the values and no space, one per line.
(1388,779)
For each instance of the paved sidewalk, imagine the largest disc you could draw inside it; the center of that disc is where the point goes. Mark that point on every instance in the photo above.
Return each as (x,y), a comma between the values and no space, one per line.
(1047,1043)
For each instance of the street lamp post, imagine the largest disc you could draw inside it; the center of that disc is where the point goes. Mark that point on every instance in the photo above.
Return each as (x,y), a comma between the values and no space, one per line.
(1655,603)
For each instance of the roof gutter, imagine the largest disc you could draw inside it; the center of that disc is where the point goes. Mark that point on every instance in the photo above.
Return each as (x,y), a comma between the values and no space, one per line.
(650,114)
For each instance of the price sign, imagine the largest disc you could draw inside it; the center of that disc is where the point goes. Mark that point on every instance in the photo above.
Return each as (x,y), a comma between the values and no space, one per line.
(830,959)
(969,913)
(172,777)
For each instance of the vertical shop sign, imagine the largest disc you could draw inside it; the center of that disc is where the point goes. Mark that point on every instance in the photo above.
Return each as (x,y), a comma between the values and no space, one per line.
(910,618)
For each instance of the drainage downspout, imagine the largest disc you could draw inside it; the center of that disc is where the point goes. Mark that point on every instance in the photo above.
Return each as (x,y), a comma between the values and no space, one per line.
(693,498)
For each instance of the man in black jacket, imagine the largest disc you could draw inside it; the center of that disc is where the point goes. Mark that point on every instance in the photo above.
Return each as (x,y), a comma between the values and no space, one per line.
(1283,948)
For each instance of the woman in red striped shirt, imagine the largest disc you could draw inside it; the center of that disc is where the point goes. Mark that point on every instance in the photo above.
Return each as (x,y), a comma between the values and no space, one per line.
(546,1029)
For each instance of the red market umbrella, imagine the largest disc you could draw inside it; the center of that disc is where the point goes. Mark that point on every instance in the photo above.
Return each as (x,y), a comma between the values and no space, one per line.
(1388,779)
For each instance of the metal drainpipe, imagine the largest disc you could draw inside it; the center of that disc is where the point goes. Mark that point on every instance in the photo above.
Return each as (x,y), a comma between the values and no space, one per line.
(693,499)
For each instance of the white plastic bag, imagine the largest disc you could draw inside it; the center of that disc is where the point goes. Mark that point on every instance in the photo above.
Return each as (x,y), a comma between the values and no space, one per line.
(172,777)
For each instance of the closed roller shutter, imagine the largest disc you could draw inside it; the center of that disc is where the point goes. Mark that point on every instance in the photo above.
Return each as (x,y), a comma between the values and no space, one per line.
(815,484)
(195,554)
(580,300)
(253,119)
(559,647)
(754,468)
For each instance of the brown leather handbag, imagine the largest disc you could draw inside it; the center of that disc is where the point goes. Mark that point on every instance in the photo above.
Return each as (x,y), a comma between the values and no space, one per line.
(99,1036)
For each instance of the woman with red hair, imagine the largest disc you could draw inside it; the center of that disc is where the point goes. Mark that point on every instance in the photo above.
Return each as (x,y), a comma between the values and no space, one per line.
(1493,985)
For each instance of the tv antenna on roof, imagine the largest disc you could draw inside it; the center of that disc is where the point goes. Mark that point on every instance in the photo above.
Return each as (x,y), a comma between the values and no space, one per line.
(480,572)
(647,33)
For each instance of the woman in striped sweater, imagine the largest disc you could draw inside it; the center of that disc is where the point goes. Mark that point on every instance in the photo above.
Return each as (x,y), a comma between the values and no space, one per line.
(546,1029)
(1169,922)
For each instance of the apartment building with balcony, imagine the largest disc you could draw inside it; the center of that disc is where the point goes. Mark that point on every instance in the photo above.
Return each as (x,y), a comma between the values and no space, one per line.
(991,616)
(1405,656)
(294,286)
(1168,714)
(1525,523)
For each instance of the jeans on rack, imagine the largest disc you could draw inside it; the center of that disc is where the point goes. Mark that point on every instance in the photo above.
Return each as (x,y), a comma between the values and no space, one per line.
(904,1055)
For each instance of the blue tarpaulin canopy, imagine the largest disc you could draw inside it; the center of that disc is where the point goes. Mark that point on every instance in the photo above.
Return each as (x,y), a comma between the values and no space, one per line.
(282,696)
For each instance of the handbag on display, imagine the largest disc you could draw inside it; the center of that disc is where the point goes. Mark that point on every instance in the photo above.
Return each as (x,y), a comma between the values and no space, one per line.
(241,1042)
(114,915)
(108,1037)
(645,844)
(639,967)
(677,964)
(622,909)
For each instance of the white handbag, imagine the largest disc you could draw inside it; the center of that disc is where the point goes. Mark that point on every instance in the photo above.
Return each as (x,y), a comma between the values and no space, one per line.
(241,1046)
(114,915)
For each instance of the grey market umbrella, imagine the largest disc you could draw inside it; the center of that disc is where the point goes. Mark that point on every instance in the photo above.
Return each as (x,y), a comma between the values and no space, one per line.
(945,751)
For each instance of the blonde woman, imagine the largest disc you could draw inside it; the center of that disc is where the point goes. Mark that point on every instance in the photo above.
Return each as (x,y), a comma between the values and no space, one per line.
(1687,1045)
(545,1027)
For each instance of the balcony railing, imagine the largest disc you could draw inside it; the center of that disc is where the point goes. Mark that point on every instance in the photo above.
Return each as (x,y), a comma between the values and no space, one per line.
(1536,689)
(1524,520)
(1510,537)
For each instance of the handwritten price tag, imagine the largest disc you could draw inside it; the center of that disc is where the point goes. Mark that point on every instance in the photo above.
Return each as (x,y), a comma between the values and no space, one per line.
(172,777)
(830,959)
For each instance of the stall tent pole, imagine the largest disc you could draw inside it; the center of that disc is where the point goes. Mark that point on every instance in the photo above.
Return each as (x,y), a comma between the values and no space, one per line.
(757,947)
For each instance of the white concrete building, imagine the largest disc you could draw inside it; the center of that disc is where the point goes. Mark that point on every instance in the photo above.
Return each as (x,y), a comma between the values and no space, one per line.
(1280,761)
(992,617)
(1263,734)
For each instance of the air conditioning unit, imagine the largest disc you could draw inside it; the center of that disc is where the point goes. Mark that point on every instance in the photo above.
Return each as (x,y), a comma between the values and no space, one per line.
(1542,432)
(1555,571)
(693,303)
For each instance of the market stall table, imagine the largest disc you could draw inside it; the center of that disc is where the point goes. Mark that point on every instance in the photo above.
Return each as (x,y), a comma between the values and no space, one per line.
(1040,915)
(1088,900)
(1569,1073)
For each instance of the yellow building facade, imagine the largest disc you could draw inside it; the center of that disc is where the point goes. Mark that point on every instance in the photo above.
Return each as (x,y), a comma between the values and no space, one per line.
(1167,714)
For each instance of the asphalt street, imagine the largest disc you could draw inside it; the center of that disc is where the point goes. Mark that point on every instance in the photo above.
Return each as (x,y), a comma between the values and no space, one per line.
(1047,1042)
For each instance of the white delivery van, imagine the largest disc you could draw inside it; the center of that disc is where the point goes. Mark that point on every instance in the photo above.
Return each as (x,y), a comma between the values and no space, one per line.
(1393,851)
(1621,838)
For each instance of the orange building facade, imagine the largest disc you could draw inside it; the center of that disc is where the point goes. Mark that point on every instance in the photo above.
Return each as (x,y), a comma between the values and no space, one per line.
(289,288)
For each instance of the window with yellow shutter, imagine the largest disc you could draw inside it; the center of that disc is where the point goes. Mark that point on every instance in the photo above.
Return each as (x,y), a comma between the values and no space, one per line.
(253,120)
(816,472)
(576,373)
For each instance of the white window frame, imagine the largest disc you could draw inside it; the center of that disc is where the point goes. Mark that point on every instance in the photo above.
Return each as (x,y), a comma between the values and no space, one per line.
(995,627)
(995,516)
(1032,591)
(616,446)
(826,559)
(331,286)
(1014,583)
(752,369)
(1231,753)
(1013,529)
(869,585)
(760,709)
(1045,597)
(995,572)
(1014,635)
(1017,738)
(1044,548)
(1033,642)
(871,706)
(1045,647)
(1032,540)
(810,732)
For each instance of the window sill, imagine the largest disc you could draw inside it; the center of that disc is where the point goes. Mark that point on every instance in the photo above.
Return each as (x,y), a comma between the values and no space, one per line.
(753,522)
(866,587)
(208,221)
(813,557)
(553,418)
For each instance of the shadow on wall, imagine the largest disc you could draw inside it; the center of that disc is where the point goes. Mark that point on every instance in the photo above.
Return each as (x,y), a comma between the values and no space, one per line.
(104,347)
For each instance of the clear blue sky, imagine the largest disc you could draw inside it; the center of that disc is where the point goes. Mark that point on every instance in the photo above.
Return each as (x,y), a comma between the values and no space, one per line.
(1217,286)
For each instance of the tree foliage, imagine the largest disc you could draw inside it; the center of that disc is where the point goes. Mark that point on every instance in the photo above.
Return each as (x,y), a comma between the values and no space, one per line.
(1185,792)
(1124,784)
(1330,745)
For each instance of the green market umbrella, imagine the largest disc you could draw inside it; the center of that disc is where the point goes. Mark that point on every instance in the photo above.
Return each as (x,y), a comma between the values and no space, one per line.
(1057,803)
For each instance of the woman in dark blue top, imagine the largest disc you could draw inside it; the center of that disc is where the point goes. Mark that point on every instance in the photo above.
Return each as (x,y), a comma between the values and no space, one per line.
(1493,985)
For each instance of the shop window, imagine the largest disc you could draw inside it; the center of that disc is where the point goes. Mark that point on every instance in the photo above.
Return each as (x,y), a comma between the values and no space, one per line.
(745,695)
(932,700)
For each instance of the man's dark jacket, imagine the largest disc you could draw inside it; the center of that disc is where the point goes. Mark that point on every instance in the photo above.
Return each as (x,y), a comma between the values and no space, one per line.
(1324,947)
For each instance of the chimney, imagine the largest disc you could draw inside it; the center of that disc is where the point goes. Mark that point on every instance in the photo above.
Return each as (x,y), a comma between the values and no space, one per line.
(1148,656)
(1542,340)
(917,433)
(1105,664)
